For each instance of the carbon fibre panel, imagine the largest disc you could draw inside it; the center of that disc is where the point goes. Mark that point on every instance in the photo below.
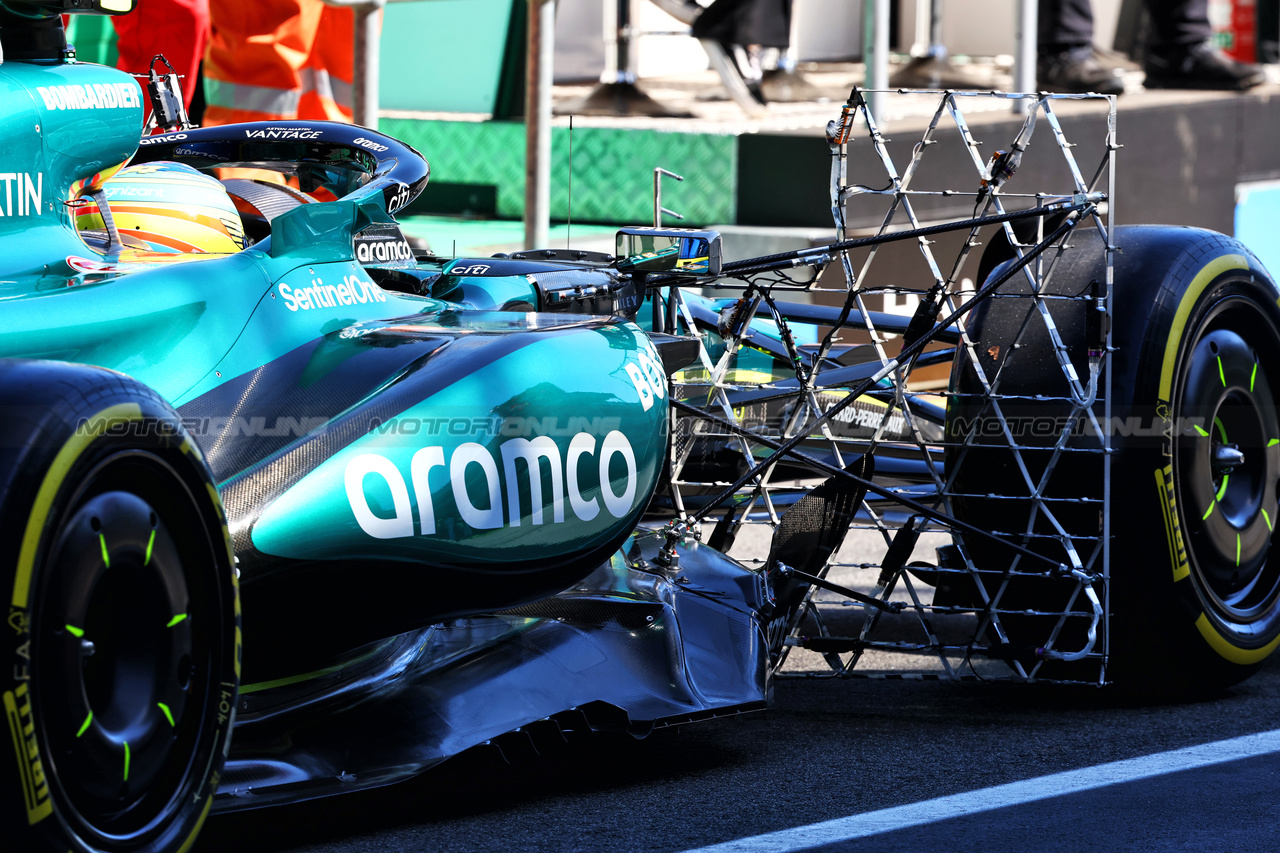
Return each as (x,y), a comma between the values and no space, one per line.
(256,415)
(629,648)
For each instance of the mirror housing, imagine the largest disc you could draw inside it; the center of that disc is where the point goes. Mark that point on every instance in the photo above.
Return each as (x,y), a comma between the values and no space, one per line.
(676,251)
(38,9)
(32,31)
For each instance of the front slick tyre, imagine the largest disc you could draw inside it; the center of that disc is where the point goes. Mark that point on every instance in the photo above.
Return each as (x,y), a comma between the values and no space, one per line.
(1195,577)
(121,648)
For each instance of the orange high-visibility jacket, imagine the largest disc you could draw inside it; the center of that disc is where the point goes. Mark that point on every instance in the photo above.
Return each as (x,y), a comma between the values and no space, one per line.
(179,29)
(176,29)
(278,59)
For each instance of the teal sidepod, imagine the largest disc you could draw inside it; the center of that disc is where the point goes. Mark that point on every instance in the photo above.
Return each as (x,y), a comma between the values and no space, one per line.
(530,452)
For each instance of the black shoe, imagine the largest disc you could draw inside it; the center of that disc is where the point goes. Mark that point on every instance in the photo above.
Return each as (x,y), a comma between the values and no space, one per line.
(1076,70)
(1199,66)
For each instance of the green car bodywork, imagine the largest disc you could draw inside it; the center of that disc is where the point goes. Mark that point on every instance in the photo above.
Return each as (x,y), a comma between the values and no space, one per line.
(565,420)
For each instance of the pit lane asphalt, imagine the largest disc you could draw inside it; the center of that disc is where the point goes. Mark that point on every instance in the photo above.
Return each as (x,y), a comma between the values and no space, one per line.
(826,749)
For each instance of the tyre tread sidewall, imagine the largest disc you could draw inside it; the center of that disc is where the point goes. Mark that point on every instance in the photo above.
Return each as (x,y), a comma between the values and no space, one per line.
(48,402)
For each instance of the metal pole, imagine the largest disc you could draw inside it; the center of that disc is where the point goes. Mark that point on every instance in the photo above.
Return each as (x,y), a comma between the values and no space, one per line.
(658,209)
(923,39)
(881,76)
(875,54)
(617,43)
(626,60)
(365,57)
(364,84)
(657,198)
(1024,67)
(537,118)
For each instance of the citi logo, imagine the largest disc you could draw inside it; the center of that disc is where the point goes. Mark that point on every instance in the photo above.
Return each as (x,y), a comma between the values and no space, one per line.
(399,198)
(482,508)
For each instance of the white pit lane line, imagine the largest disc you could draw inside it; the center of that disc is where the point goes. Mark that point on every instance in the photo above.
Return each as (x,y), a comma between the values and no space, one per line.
(1002,796)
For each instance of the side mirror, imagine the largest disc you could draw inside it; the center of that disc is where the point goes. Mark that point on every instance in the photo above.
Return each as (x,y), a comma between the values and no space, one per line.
(681,251)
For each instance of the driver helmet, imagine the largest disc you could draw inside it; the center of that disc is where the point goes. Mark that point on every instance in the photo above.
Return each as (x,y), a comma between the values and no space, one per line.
(168,207)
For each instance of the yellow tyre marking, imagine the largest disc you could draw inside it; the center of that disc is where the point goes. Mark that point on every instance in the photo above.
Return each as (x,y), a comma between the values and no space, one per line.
(231,561)
(1172,527)
(39,805)
(195,830)
(1211,271)
(31,775)
(1164,476)
(226,534)
(70,452)
(1233,653)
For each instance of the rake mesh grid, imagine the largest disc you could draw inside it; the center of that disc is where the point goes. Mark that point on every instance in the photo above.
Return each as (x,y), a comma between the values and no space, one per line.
(970,607)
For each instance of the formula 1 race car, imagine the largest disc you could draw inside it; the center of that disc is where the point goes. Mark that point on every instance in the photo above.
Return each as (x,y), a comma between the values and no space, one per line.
(444,502)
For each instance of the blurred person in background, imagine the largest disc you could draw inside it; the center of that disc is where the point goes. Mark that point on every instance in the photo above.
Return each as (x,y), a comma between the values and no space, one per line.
(278,59)
(744,28)
(178,29)
(1179,53)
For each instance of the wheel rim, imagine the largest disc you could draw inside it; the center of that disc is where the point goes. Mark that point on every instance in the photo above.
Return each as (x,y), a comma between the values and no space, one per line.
(1227,465)
(124,673)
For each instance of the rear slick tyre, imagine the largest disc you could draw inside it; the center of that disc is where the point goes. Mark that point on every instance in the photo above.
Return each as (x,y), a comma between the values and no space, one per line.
(123,643)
